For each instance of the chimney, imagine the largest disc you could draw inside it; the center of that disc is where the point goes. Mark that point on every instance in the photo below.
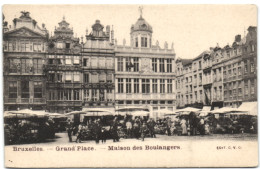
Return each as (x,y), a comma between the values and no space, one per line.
(108,31)
(237,38)
(112,35)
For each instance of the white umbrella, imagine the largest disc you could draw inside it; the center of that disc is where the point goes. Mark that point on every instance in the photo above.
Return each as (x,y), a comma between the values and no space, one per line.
(188,109)
(139,113)
(224,110)
(30,112)
(75,112)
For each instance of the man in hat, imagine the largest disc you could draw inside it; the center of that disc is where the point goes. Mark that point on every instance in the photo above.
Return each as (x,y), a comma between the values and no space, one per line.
(69,129)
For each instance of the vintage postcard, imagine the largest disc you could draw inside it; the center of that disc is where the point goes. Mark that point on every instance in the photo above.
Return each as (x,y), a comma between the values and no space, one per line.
(130,85)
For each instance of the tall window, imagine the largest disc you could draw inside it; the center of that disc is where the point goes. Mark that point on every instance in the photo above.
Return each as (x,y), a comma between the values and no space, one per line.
(199,64)
(246,87)
(161,60)
(252,66)
(67,95)
(76,77)
(68,76)
(38,89)
(25,66)
(37,47)
(128,85)
(51,76)
(169,85)
(76,94)
(37,65)
(51,95)
(85,62)
(87,94)
(246,68)
(128,64)
(162,85)
(120,64)
(136,42)
(252,87)
(169,65)
(136,85)
(59,76)
(60,94)
(155,86)
(101,95)
(109,78)
(154,64)
(86,78)
(94,94)
(76,60)
(120,85)
(25,46)
(145,85)
(59,60)
(25,89)
(13,89)
(68,60)
(136,64)
(143,42)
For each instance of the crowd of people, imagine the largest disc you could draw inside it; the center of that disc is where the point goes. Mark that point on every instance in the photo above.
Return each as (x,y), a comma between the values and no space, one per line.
(18,131)
(142,127)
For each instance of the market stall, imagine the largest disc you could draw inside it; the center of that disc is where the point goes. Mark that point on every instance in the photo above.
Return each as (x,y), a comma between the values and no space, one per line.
(27,126)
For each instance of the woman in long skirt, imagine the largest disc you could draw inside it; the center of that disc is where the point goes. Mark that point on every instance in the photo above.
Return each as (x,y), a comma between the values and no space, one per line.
(184,127)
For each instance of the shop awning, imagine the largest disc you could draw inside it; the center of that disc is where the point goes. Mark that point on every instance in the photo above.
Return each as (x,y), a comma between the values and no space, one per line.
(187,109)
(225,110)
(249,107)
(132,108)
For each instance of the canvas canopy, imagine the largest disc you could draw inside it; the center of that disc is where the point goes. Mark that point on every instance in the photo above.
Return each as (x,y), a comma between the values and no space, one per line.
(188,109)
(248,107)
(224,110)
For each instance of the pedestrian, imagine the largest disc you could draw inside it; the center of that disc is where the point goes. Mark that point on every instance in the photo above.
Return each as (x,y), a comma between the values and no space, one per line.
(103,135)
(69,129)
(97,130)
(129,128)
(79,133)
(151,124)
(136,130)
(183,126)
(143,130)
(168,126)
(201,126)
(207,128)
(114,128)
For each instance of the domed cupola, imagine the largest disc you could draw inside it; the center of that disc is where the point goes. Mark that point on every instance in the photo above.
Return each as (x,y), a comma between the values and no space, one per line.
(141,25)
(141,33)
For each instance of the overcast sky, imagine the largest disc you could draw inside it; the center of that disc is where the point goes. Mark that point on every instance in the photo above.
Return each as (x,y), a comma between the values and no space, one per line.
(192,28)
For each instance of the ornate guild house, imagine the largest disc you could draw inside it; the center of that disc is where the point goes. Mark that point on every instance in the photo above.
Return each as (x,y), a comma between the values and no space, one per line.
(98,68)
(145,73)
(64,70)
(24,47)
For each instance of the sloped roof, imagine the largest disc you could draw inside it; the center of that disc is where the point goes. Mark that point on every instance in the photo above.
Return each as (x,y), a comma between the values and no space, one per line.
(186,61)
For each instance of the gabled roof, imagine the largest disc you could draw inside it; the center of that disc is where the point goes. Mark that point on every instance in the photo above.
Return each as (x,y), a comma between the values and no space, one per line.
(16,30)
(201,55)
(185,61)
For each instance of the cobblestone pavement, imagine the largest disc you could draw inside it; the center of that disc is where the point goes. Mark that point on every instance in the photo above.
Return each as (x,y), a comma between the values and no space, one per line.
(62,138)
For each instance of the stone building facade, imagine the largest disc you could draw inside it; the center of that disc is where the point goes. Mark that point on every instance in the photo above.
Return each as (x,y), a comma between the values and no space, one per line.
(64,70)
(228,74)
(98,68)
(24,55)
(144,73)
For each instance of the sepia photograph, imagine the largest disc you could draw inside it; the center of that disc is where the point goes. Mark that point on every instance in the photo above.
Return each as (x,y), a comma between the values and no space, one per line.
(130,85)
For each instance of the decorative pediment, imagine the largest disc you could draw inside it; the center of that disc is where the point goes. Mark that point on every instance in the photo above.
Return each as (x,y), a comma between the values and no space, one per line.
(24,32)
